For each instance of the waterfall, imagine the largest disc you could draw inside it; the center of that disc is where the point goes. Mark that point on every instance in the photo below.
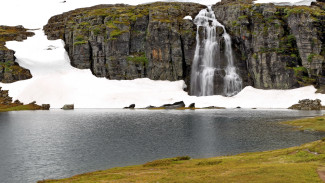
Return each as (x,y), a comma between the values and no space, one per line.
(207,61)
(232,81)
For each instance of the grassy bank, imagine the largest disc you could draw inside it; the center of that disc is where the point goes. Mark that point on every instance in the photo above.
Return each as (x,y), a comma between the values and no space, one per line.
(19,107)
(316,123)
(296,164)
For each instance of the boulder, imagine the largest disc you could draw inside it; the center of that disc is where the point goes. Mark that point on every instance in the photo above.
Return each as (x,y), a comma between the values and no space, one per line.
(174,105)
(307,104)
(192,105)
(18,102)
(45,106)
(150,107)
(132,106)
(68,107)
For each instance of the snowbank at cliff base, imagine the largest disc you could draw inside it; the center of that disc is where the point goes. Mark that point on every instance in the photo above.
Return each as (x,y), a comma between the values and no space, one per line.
(251,97)
(56,82)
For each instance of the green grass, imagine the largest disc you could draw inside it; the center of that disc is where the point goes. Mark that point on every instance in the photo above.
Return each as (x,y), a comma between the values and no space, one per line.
(20,108)
(296,164)
(316,123)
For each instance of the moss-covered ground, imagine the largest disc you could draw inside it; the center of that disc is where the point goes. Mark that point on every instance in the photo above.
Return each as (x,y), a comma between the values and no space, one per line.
(14,107)
(296,164)
(316,123)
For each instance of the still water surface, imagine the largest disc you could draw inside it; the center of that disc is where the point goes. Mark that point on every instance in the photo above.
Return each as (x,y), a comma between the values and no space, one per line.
(36,145)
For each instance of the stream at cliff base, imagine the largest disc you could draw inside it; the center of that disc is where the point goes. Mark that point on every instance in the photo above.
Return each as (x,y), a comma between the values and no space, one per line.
(38,145)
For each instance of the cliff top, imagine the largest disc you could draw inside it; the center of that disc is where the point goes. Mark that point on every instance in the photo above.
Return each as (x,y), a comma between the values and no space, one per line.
(8,33)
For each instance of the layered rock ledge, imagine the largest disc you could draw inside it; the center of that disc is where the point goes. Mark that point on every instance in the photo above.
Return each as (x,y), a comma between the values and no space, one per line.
(10,71)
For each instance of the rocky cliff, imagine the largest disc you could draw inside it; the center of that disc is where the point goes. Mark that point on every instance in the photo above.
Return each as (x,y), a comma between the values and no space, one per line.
(128,42)
(282,46)
(276,47)
(10,71)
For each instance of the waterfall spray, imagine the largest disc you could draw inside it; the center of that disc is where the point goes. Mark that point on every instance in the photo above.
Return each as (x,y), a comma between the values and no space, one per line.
(207,54)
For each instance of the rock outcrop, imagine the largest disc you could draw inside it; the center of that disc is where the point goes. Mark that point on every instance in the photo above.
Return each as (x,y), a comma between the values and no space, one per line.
(307,104)
(68,107)
(276,47)
(5,99)
(6,103)
(10,71)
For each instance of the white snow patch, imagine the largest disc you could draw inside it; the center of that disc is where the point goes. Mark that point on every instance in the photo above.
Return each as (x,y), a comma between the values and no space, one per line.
(188,18)
(287,2)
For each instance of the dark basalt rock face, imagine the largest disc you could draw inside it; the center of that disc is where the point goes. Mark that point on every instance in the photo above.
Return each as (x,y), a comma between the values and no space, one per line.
(282,46)
(128,42)
(10,71)
(275,47)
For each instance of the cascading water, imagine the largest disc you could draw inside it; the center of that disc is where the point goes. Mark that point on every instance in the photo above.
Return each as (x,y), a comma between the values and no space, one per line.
(207,60)
(232,81)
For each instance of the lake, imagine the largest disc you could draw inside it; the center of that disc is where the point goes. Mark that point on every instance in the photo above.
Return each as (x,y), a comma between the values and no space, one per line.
(36,145)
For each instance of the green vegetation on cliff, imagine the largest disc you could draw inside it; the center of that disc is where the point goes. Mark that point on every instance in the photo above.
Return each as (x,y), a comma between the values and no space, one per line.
(139,58)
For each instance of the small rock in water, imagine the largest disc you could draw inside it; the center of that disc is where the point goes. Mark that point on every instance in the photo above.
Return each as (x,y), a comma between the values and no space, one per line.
(132,106)
(238,107)
(150,107)
(214,107)
(45,106)
(192,105)
(68,107)
(174,105)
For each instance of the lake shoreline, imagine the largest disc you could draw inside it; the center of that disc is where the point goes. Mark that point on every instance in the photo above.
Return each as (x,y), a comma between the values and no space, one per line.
(300,163)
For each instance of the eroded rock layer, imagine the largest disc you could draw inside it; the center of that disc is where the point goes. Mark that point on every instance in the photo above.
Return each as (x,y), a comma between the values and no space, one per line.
(10,71)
